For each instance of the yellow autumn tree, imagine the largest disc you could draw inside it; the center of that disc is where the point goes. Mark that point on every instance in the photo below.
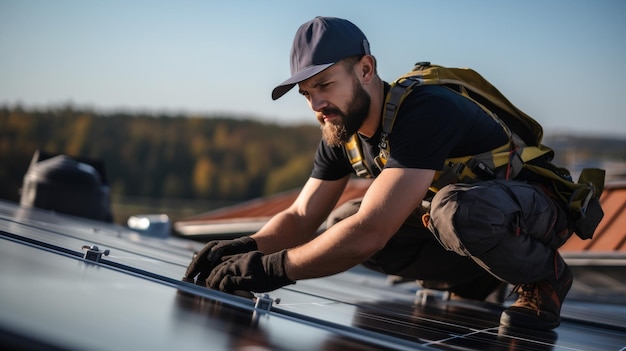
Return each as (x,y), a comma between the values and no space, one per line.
(203,172)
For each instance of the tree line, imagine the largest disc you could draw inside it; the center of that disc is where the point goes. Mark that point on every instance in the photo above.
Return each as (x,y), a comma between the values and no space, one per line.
(161,156)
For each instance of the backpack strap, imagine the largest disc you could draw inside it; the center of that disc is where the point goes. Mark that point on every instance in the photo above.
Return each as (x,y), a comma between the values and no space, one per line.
(398,91)
(353,149)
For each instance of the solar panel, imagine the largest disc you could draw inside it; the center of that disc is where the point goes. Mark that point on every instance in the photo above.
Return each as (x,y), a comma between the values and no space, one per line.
(76,284)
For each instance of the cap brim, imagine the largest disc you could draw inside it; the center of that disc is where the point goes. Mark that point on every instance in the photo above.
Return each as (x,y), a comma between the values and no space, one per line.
(304,74)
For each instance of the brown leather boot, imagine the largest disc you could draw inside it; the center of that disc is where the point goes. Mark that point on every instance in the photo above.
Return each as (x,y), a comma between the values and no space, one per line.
(539,304)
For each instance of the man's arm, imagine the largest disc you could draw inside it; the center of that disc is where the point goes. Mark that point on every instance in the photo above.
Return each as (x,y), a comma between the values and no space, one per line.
(299,223)
(391,198)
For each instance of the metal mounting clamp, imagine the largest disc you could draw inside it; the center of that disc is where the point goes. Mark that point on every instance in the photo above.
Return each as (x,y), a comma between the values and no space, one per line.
(264,302)
(93,253)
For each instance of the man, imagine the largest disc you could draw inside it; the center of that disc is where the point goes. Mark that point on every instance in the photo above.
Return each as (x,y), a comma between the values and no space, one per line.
(335,72)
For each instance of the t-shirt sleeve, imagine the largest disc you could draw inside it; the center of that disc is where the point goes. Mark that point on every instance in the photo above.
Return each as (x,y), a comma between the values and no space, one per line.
(330,163)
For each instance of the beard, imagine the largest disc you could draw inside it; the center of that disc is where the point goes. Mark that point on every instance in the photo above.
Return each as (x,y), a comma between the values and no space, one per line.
(335,134)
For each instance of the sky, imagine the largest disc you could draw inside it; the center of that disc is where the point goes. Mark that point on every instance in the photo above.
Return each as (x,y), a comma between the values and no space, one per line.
(561,61)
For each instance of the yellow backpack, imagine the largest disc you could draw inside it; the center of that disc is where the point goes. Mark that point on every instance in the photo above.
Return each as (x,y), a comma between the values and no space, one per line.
(523,153)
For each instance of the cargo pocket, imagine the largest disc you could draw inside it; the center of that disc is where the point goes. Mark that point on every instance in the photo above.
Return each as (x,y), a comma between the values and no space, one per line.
(505,226)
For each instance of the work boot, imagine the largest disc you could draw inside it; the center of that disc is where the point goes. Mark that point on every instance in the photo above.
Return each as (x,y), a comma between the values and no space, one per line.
(539,304)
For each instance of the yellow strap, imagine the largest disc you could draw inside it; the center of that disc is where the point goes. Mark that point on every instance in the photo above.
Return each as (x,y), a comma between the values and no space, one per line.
(354,154)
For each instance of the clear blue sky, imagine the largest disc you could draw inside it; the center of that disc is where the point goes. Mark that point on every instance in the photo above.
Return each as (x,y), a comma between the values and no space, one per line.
(561,61)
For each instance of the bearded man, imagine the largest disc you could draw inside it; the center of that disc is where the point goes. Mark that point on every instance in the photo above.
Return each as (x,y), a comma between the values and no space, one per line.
(335,72)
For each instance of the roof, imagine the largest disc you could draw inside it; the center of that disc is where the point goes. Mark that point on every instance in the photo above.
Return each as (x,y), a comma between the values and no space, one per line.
(610,236)
(269,206)
(248,217)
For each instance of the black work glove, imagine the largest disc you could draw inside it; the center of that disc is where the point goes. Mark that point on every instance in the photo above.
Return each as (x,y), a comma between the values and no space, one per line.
(214,253)
(251,271)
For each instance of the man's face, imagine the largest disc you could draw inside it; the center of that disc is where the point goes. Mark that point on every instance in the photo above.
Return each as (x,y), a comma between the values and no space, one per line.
(339,101)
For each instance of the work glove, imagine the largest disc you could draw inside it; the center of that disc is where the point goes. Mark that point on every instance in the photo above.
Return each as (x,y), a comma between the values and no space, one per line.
(252,271)
(214,253)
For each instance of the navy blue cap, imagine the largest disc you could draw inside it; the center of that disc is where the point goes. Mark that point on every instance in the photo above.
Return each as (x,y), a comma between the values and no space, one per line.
(319,44)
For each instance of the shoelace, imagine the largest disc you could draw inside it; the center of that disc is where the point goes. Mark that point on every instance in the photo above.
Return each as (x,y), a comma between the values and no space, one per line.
(529,295)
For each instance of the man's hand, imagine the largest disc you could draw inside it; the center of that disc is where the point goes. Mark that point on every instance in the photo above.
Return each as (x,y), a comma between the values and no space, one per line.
(251,271)
(214,253)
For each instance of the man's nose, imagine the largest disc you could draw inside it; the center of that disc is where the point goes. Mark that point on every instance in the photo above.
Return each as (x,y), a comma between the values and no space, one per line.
(318,103)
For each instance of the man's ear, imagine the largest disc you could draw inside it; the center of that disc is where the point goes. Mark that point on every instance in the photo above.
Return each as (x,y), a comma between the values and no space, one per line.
(367,68)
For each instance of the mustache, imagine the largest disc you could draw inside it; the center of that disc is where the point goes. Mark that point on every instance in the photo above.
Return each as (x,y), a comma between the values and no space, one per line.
(328,111)
(331,111)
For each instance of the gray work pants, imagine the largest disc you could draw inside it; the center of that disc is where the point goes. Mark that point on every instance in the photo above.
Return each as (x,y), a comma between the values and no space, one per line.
(510,228)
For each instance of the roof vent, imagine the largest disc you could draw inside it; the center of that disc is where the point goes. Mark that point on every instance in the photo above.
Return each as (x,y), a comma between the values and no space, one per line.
(67,185)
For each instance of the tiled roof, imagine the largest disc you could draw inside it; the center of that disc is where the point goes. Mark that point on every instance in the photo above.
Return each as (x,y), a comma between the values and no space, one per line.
(247,217)
(269,206)
(610,236)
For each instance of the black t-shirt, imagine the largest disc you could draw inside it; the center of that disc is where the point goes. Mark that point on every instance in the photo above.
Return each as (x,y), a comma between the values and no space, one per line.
(433,124)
